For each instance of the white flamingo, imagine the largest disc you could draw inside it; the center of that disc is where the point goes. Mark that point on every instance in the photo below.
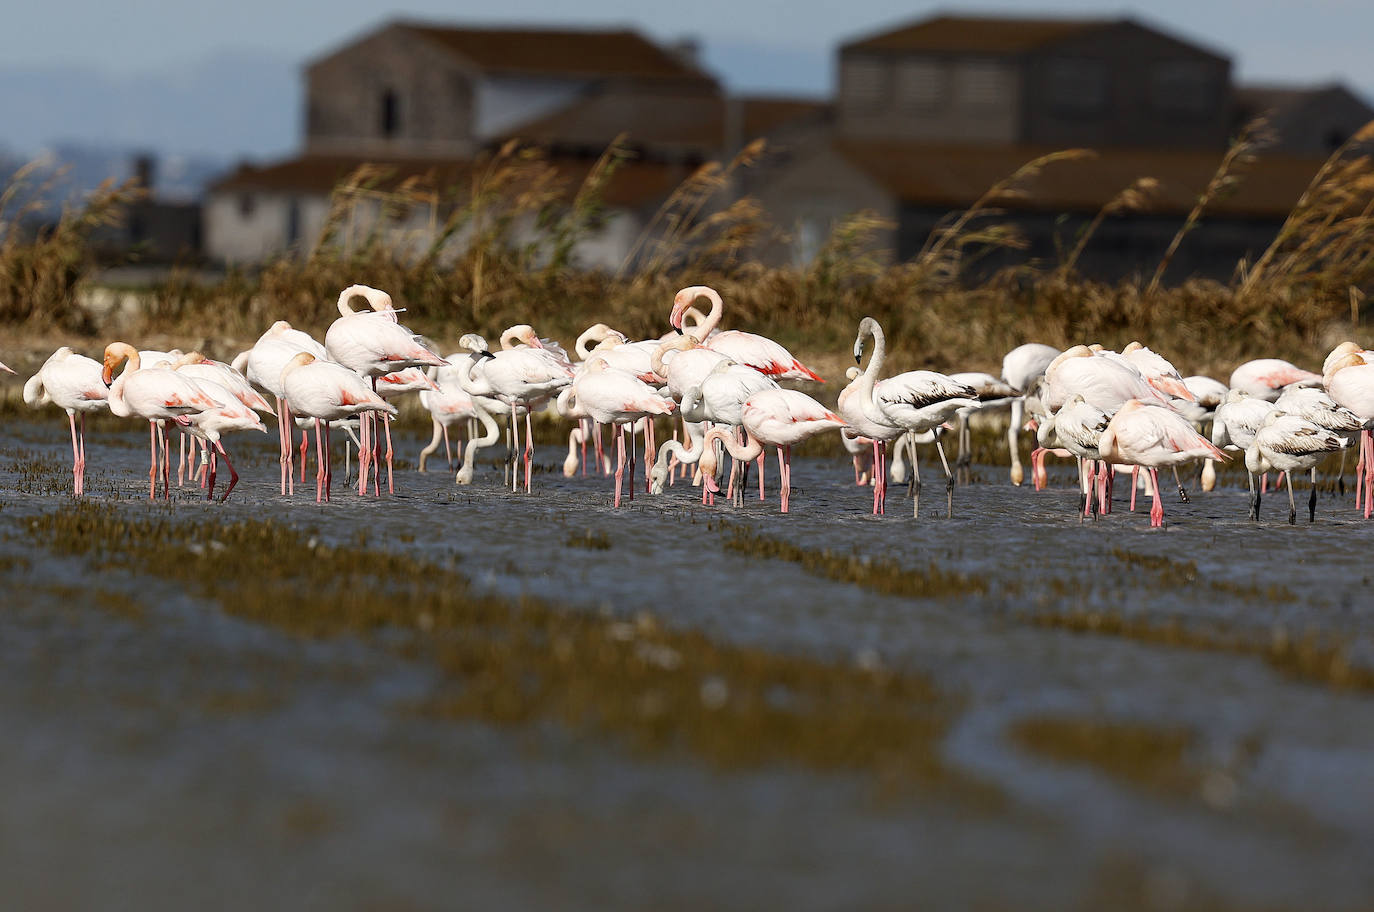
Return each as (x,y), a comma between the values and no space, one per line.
(74,384)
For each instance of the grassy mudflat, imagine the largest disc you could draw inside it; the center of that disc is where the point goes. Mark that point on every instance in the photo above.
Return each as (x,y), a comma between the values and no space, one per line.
(540,700)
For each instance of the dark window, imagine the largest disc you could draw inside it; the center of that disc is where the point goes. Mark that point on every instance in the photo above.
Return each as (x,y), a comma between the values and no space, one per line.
(247,203)
(391,114)
(1183,88)
(1078,86)
(293,221)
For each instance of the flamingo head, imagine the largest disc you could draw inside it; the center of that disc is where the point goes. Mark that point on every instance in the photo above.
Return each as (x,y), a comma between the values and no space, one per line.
(685,299)
(522,334)
(1354,359)
(867,327)
(115,354)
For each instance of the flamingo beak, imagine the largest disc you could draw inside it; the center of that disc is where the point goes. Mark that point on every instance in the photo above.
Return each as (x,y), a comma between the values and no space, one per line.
(107,375)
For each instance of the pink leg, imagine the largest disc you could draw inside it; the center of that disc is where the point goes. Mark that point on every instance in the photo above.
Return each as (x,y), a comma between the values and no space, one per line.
(1157,509)
(1359,469)
(1368,473)
(82,436)
(600,449)
(448,451)
(319,464)
(284,440)
(529,449)
(364,450)
(305,448)
(152,460)
(76,457)
(631,487)
(328,464)
(181,461)
(1135,470)
(650,451)
(586,429)
(210,476)
(233,476)
(877,479)
(386,426)
(166,464)
(761,464)
(619,460)
(1086,480)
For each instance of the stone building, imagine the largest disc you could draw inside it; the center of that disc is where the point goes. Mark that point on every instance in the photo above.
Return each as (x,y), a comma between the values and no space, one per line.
(925,117)
(931,114)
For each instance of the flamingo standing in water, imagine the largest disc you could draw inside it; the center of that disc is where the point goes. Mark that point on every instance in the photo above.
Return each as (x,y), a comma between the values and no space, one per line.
(263,364)
(374,343)
(447,404)
(1147,435)
(1078,427)
(914,401)
(155,394)
(209,425)
(851,407)
(617,398)
(778,418)
(759,352)
(73,383)
(326,391)
(1350,382)
(520,378)
(1289,443)
(1022,367)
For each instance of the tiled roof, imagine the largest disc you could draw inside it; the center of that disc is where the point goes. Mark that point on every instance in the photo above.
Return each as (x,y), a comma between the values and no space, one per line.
(574,52)
(975,34)
(955,176)
(635,184)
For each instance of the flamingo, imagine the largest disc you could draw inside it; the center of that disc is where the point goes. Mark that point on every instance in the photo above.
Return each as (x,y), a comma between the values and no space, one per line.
(914,401)
(993,394)
(73,383)
(228,414)
(617,398)
(373,343)
(1079,428)
(518,378)
(1021,368)
(1157,371)
(1207,395)
(327,391)
(1106,380)
(1265,378)
(719,399)
(1236,420)
(759,352)
(447,403)
(1147,435)
(1350,382)
(778,418)
(155,394)
(263,364)
(1289,443)
(850,407)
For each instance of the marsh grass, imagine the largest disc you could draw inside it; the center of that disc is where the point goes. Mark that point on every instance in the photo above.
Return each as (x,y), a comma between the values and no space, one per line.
(499,244)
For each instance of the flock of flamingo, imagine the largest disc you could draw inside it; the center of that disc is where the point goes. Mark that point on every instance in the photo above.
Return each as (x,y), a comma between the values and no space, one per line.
(1113,411)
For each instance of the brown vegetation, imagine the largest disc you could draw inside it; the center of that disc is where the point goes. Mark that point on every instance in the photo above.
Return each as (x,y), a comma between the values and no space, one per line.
(500,249)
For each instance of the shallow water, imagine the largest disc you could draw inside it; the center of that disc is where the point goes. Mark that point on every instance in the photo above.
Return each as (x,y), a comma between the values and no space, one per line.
(183,757)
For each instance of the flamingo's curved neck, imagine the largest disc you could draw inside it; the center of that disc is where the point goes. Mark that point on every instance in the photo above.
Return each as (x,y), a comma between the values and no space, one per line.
(869,379)
(703,329)
(377,299)
(490,435)
(752,448)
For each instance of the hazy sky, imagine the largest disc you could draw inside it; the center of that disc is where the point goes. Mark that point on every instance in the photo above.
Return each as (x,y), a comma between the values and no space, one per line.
(1269,39)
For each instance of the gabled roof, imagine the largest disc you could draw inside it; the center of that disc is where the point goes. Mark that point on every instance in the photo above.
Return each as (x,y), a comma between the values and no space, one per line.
(1002,35)
(976,34)
(1257,99)
(953,176)
(588,53)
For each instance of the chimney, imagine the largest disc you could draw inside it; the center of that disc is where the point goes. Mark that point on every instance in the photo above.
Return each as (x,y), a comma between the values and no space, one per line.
(145,170)
(687,50)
